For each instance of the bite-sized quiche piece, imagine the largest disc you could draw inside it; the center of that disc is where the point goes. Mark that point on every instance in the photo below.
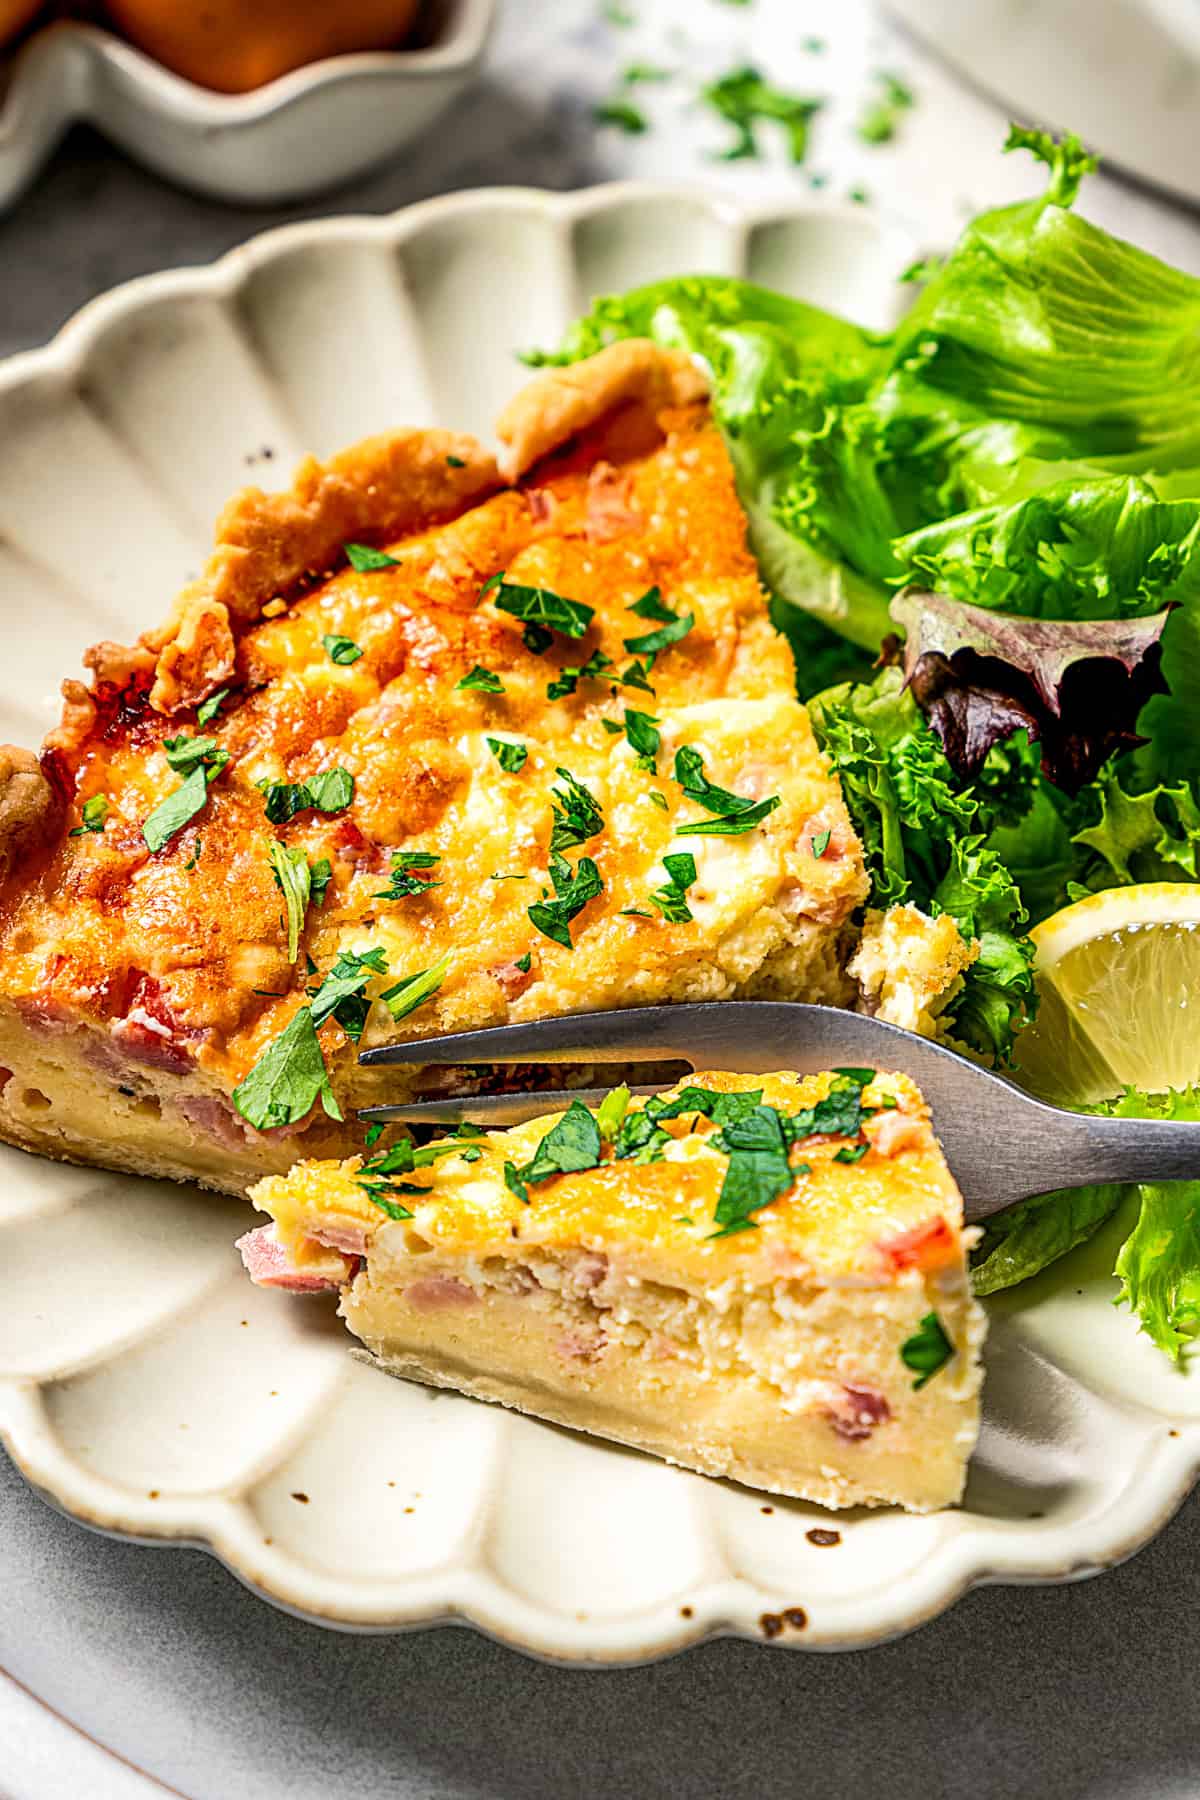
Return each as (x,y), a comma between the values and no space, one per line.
(761,1277)
(418,752)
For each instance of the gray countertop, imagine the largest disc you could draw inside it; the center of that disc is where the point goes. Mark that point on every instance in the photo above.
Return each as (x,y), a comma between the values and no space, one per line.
(1082,1690)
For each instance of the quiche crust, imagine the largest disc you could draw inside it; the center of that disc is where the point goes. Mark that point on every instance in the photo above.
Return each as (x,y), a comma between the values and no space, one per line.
(139,987)
(780,1356)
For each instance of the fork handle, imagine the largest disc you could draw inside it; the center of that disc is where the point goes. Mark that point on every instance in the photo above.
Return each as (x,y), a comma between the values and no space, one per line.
(1100,1148)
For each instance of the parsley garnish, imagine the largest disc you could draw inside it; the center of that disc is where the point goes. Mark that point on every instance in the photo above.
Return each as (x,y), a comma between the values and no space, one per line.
(511,757)
(363,558)
(644,737)
(839,1114)
(208,709)
(186,753)
(342,650)
(287,1080)
(329,792)
(294,879)
(879,119)
(737,814)
(820,844)
(757,1144)
(621,113)
(401,880)
(541,611)
(671,628)
(194,858)
(456,462)
(640,1139)
(851,1153)
(927,1350)
(415,990)
(93,813)
(635,676)
(480,681)
(573,889)
(340,995)
(659,800)
(173,813)
(577,815)
(376,1176)
(372,1135)
(567,1148)
(510,877)
(611,1111)
(612,726)
(635,912)
(671,899)
(568,678)
(524,963)
(319,877)
(744,99)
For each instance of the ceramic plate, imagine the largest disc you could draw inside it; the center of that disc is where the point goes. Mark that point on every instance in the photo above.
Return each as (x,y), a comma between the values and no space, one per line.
(144,1384)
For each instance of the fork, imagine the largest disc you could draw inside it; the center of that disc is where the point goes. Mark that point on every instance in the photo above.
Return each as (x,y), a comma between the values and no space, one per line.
(1001,1143)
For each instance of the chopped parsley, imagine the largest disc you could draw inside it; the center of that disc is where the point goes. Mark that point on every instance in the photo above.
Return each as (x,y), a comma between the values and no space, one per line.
(288,1079)
(643,736)
(362,558)
(757,1144)
(208,709)
(194,858)
(341,650)
(573,888)
(611,1111)
(567,1148)
(636,676)
(511,757)
(402,881)
(671,899)
(319,877)
(880,117)
(541,611)
(839,1114)
(568,679)
(456,462)
(722,1109)
(851,1153)
(340,995)
(927,1350)
(173,813)
(294,880)
(577,815)
(744,99)
(613,727)
(377,1175)
(329,792)
(671,627)
(640,1139)
(524,963)
(415,990)
(623,114)
(480,681)
(820,844)
(186,753)
(93,813)
(736,813)
(659,800)
(373,1134)
(635,912)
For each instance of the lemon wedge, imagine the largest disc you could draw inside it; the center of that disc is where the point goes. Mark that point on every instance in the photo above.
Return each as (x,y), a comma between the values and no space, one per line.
(1119,980)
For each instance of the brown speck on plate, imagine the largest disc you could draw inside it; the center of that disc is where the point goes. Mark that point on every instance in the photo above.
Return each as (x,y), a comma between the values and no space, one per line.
(792,1618)
(245,1321)
(409,1509)
(822,1536)
(1172,1432)
(153,1494)
(766,1509)
(302,1498)
(685,1612)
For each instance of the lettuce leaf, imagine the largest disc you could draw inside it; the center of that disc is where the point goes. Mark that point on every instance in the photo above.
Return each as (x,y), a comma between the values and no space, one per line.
(1025,1240)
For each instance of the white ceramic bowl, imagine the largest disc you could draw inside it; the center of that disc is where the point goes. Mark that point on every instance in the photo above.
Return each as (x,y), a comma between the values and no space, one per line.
(144,1385)
(297,135)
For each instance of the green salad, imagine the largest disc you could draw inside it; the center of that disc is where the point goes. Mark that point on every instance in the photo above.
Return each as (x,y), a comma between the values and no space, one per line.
(982,536)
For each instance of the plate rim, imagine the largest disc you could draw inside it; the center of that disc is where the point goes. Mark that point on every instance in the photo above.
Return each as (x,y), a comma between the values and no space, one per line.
(723,1604)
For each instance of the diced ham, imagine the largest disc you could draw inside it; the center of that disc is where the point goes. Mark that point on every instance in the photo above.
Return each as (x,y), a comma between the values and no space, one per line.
(152,1031)
(45,1014)
(610,511)
(541,503)
(856,1411)
(926,1246)
(268,1265)
(434,1293)
(512,979)
(589,1270)
(216,1119)
(351,1240)
(574,1346)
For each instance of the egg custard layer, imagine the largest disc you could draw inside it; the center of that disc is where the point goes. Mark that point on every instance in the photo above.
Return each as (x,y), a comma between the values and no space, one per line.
(420,751)
(760,1277)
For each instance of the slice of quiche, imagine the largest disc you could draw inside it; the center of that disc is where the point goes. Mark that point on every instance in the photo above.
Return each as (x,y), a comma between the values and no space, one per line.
(757,1277)
(420,751)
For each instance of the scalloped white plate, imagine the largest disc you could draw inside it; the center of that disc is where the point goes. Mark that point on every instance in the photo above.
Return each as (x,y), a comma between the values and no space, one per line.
(144,1385)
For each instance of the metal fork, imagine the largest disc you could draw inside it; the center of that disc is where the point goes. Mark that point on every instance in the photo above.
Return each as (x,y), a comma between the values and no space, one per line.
(1002,1144)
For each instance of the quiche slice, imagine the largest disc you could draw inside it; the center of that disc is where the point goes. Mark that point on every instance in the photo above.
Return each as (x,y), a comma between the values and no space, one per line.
(757,1277)
(420,751)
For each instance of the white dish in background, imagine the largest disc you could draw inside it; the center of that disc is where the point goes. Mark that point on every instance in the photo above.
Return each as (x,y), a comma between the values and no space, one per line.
(145,1386)
(293,137)
(1124,74)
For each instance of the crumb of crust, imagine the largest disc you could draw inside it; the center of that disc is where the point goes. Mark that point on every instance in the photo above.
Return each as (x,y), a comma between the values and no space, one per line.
(30,811)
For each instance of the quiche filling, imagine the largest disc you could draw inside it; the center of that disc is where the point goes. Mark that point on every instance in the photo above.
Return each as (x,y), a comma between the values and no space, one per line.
(761,1277)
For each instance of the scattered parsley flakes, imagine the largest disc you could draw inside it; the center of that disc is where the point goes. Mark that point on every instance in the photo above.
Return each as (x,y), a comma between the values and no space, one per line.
(401,880)
(659,800)
(288,1079)
(173,813)
(613,727)
(622,114)
(341,650)
(186,753)
(340,995)
(635,912)
(362,558)
(568,678)
(373,1134)
(415,990)
(757,1144)
(498,876)
(540,610)
(329,792)
(194,858)
(611,1111)
(524,963)
(636,676)
(511,757)
(851,1153)
(567,1149)
(208,709)
(319,877)
(744,99)
(736,813)
(514,1184)
(820,844)
(93,813)
(859,1076)
(880,117)
(927,1350)
(456,462)
(671,900)
(643,737)
(640,1139)
(839,1114)
(480,681)
(573,888)
(577,815)
(671,628)
(294,880)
